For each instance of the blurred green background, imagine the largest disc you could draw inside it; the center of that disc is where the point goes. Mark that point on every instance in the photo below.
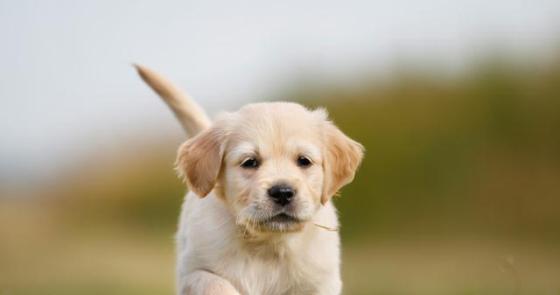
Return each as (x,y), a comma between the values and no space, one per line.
(458,194)
(457,104)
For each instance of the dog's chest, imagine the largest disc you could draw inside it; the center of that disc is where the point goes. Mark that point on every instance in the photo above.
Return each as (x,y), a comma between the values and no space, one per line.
(274,274)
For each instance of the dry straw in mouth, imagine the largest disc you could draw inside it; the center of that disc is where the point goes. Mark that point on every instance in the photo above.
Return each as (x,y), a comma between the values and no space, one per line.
(326,227)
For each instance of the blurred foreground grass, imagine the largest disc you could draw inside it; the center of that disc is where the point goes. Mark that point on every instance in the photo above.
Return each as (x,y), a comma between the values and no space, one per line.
(459,194)
(48,257)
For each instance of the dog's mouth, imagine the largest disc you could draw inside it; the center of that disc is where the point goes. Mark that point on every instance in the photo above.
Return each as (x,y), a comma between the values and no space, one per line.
(281,222)
(282,218)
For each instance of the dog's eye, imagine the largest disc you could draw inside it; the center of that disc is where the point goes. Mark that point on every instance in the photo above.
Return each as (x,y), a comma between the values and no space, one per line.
(250,163)
(303,162)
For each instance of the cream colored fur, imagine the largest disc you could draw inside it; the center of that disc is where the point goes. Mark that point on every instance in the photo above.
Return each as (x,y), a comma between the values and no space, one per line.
(228,241)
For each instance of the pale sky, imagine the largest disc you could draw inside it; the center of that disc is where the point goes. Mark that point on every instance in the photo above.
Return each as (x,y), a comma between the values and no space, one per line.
(66,85)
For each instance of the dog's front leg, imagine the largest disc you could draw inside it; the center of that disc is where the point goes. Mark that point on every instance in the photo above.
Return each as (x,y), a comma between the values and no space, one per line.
(206,283)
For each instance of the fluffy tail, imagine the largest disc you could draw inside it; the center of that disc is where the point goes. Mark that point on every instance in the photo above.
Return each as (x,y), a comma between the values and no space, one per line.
(191,116)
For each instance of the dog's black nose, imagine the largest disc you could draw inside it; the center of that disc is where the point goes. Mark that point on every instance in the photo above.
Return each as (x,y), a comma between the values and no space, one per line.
(281,194)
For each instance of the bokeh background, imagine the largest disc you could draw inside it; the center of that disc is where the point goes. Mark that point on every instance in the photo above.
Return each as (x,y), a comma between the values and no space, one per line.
(456,102)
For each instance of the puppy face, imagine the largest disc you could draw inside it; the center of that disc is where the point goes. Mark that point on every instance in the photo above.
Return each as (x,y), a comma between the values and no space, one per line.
(274,164)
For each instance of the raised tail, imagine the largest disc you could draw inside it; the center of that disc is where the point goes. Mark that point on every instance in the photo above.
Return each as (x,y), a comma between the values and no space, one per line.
(191,116)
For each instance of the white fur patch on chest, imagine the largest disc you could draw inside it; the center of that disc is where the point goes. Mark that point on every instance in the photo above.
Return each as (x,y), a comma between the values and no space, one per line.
(276,272)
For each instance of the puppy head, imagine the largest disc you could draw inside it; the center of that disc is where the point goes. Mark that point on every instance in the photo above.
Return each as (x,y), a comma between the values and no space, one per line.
(274,164)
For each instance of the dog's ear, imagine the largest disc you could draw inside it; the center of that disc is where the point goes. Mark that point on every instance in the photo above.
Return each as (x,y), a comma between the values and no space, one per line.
(342,158)
(199,160)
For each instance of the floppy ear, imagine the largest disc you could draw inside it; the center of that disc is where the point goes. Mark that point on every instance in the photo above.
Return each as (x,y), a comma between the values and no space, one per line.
(342,158)
(199,160)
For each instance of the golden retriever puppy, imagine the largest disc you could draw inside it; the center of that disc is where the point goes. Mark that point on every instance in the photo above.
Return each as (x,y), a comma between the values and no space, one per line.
(258,219)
